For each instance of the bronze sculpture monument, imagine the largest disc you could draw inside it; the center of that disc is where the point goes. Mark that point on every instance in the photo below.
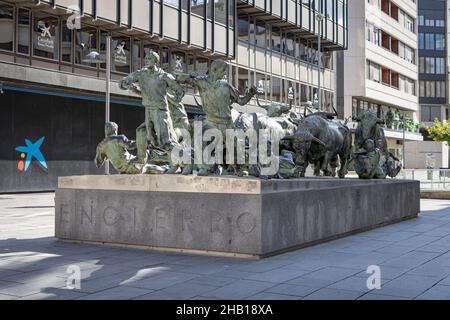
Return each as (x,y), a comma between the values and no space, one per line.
(302,139)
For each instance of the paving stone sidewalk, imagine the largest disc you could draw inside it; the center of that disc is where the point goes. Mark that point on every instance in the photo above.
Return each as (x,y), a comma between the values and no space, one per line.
(414,257)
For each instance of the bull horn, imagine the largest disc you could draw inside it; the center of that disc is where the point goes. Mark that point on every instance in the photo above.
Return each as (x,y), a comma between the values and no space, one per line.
(198,104)
(290,137)
(319,141)
(258,102)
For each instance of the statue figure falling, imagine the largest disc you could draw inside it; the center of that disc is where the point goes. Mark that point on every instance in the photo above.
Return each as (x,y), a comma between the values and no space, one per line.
(217,98)
(115,148)
(369,128)
(154,84)
(368,163)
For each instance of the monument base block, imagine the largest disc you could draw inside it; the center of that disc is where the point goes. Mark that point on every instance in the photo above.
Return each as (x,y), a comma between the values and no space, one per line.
(226,215)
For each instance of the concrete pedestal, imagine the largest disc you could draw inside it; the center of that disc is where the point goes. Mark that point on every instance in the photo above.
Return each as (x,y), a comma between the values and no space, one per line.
(226,216)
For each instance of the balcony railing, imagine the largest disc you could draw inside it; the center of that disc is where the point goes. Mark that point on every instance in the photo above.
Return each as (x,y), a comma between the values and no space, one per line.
(430,179)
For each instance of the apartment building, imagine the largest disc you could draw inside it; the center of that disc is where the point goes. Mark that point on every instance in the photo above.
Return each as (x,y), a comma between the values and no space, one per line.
(379,70)
(49,86)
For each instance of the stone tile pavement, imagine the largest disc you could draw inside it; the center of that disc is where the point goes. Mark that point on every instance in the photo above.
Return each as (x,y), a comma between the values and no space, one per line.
(413,256)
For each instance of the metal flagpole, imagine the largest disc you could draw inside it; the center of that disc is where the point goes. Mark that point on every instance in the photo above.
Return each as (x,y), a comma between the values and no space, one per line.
(319,18)
(108,89)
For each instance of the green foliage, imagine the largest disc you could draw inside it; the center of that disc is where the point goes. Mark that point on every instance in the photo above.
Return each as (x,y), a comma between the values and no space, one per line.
(440,132)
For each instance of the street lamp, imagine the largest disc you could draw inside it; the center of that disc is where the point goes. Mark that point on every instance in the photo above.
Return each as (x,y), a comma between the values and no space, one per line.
(319,17)
(94,57)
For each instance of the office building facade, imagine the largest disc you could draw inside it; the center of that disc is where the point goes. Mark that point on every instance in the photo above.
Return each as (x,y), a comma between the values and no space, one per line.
(433,60)
(49,87)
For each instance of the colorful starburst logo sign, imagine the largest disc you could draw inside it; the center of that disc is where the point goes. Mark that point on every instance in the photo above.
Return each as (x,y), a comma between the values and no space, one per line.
(30,151)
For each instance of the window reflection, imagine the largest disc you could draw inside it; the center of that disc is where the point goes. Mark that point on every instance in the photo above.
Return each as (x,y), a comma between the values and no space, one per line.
(23,29)
(6,27)
(276,89)
(136,59)
(66,43)
(220,7)
(165,62)
(45,36)
(173,3)
(178,62)
(243,80)
(120,54)
(86,43)
(276,39)
(197,7)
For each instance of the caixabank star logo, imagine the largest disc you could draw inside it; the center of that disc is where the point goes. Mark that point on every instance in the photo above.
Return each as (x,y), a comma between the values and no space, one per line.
(30,151)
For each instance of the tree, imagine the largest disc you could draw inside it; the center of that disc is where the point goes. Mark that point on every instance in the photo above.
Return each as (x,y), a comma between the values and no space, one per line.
(440,132)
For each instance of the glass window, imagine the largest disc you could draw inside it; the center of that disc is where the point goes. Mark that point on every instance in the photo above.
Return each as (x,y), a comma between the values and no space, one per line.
(173,3)
(330,9)
(23,26)
(301,51)
(409,23)
(243,80)
(86,43)
(276,39)
(45,36)
(386,76)
(66,43)
(208,8)
(190,67)
(440,41)
(439,92)
(260,34)
(178,62)
(165,61)
(430,89)
(137,59)
(422,88)
(197,7)
(327,59)
(421,65)
(305,94)
(220,7)
(429,65)
(190,63)
(440,66)
(276,89)
(442,89)
(429,41)
(374,72)
(289,45)
(103,37)
(340,13)
(421,41)
(260,83)
(421,20)
(231,13)
(202,66)
(412,87)
(6,27)
(243,29)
